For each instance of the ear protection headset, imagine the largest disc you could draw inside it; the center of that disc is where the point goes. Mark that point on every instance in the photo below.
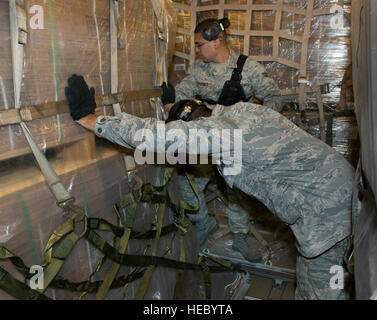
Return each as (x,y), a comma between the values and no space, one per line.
(213,31)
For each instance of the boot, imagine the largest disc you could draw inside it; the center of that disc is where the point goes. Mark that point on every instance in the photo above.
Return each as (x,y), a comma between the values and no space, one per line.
(241,245)
(204,230)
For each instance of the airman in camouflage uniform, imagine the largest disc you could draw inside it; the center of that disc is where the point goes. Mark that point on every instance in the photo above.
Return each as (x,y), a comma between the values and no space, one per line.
(306,183)
(206,78)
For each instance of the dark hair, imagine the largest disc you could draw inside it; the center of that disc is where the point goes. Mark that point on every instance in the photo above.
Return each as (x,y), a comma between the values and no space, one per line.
(212,29)
(188,110)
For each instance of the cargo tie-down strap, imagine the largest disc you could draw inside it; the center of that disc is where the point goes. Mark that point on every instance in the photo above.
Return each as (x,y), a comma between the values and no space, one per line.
(64,238)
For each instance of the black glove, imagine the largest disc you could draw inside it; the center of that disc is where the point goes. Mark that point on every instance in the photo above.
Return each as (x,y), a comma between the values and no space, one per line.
(168,93)
(80,99)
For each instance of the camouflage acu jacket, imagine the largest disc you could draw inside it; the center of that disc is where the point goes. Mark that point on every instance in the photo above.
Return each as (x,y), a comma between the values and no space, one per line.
(207,80)
(306,183)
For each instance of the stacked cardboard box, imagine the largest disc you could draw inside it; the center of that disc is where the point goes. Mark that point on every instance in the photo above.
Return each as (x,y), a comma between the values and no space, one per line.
(328,48)
(75,38)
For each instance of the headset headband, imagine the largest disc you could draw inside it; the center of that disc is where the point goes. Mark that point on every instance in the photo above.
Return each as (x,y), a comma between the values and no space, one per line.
(213,31)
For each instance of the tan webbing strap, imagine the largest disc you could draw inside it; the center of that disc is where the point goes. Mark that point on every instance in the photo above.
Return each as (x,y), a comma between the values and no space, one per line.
(181,273)
(67,237)
(148,273)
(30,113)
(206,277)
(183,229)
(185,205)
(105,286)
(24,292)
(58,258)
(5,253)
(65,233)
(221,262)
(18,289)
(56,236)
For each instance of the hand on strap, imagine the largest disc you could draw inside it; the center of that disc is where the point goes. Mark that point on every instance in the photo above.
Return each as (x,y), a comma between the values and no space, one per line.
(168,93)
(80,98)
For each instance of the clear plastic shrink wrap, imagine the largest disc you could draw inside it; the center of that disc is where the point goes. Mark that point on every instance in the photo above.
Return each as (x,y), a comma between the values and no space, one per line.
(75,38)
(329,48)
(327,60)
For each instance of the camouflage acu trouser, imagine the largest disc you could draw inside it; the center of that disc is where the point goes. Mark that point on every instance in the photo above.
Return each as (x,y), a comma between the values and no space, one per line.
(238,218)
(321,278)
